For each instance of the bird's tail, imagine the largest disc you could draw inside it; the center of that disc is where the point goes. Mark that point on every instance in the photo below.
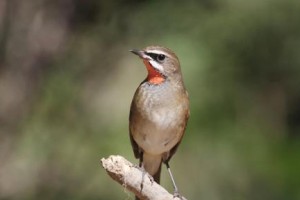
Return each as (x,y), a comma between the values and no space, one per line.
(156,176)
(152,165)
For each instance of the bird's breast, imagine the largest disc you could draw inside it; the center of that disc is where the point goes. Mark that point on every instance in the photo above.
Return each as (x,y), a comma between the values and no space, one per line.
(157,118)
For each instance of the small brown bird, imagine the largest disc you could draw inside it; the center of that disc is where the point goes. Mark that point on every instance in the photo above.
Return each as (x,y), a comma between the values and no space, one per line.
(159,111)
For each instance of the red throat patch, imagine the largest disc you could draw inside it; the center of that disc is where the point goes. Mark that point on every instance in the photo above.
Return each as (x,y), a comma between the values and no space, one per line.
(154,76)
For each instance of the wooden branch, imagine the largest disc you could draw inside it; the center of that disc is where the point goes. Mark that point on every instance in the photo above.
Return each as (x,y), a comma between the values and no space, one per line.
(130,176)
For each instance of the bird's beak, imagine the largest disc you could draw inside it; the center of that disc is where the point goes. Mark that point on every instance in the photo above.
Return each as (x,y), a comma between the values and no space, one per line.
(140,53)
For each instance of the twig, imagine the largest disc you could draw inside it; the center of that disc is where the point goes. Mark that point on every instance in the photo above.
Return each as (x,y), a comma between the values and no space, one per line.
(130,177)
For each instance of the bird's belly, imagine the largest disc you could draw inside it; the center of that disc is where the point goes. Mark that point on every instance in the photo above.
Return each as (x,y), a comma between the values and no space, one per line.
(157,142)
(159,133)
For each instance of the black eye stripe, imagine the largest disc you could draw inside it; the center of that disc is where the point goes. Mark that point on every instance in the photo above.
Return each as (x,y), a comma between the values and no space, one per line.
(156,57)
(152,55)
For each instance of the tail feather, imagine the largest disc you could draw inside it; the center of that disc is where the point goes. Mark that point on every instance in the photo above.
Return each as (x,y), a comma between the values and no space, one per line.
(156,176)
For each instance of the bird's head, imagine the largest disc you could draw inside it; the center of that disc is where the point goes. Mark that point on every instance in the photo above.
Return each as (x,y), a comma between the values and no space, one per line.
(162,64)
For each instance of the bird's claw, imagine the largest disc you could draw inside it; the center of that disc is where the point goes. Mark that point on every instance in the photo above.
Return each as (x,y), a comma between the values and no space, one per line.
(176,194)
(151,178)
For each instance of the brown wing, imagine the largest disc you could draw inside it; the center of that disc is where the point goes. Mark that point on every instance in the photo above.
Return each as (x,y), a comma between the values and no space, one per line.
(135,147)
(173,150)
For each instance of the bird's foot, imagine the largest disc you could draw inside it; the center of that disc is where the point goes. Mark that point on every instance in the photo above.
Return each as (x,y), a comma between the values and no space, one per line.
(150,178)
(143,177)
(176,194)
(136,166)
(144,172)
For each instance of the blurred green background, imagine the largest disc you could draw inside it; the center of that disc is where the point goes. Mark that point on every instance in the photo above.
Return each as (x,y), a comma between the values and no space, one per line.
(67,79)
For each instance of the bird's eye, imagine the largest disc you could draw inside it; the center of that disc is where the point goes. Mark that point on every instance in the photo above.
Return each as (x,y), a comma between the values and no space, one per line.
(160,57)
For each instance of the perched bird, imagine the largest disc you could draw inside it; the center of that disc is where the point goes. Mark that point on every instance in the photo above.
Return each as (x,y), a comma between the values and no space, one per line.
(159,111)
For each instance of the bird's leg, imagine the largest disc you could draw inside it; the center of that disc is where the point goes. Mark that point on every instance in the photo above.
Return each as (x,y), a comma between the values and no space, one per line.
(143,170)
(176,191)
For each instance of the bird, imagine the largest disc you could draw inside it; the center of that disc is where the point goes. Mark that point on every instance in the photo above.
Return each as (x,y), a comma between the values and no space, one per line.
(159,111)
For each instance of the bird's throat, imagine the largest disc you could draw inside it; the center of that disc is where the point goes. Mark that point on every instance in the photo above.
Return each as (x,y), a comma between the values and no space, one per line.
(154,77)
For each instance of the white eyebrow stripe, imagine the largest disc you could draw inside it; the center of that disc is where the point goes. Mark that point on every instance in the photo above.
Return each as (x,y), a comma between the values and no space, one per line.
(158,52)
(156,65)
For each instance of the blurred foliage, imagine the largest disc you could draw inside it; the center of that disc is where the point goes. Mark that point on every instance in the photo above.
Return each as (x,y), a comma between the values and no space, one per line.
(67,79)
